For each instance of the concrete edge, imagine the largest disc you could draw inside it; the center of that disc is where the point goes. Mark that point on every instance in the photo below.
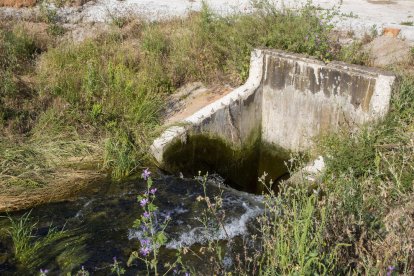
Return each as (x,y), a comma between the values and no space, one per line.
(338,65)
(157,148)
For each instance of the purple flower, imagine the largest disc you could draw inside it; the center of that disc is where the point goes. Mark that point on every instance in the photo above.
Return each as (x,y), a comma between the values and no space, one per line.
(187,274)
(144,242)
(145,174)
(153,191)
(143,202)
(146,214)
(44,272)
(144,251)
(390,270)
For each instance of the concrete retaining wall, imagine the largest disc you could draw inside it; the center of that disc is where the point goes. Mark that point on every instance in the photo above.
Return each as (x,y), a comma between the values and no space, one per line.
(288,99)
(303,98)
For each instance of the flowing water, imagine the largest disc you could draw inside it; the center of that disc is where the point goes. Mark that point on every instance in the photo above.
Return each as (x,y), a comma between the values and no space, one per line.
(100,224)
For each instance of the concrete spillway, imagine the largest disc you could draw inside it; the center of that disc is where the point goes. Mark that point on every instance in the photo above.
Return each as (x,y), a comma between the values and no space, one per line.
(287,100)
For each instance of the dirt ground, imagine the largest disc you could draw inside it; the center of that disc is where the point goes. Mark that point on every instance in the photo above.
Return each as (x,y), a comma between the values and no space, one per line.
(17,3)
(360,16)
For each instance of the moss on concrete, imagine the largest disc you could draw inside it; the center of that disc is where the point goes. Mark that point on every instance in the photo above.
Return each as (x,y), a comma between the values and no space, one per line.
(240,166)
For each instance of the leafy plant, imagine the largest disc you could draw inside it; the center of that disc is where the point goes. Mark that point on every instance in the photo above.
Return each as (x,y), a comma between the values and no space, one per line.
(153,235)
(27,247)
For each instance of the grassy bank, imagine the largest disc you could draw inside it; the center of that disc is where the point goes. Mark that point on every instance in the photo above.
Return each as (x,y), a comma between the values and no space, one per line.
(103,98)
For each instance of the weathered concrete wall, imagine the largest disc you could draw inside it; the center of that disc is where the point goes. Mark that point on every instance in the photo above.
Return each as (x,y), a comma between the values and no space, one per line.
(287,100)
(303,98)
(234,118)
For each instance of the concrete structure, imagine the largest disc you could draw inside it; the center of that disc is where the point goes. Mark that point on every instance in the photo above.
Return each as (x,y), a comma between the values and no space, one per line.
(287,100)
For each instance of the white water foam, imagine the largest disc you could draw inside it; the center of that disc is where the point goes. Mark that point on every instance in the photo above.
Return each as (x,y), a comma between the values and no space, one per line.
(236,227)
(138,233)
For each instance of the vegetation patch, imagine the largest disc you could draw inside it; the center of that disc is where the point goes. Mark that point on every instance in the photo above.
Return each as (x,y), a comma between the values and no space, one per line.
(102,101)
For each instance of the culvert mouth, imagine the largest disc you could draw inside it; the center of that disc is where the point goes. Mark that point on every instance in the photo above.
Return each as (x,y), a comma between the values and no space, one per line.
(287,101)
(240,167)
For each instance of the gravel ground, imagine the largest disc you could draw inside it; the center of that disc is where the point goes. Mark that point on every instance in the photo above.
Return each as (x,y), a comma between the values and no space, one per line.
(365,13)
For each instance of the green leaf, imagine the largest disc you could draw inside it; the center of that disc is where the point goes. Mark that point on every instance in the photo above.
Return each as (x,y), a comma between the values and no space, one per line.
(137,223)
(152,207)
(160,238)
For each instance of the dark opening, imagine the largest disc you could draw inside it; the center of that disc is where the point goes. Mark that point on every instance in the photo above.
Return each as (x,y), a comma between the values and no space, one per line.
(241,168)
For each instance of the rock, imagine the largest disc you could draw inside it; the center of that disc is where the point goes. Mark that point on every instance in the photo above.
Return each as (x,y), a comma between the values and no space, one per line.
(17,3)
(385,50)
(391,32)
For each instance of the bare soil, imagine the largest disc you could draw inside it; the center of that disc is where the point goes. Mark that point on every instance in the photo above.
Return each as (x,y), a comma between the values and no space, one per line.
(191,98)
(17,3)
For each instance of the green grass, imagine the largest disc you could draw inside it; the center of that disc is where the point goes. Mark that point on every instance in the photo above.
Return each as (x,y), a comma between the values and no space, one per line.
(110,91)
(407,23)
(369,176)
(28,248)
(292,233)
(34,251)
(103,99)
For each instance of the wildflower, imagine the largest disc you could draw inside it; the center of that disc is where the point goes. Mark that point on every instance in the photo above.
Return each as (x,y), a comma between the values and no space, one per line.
(146,214)
(144,251)
(390,270)
(145,242)
(43,272)
(145,174)
(187,274)
(143,202)
(153,191)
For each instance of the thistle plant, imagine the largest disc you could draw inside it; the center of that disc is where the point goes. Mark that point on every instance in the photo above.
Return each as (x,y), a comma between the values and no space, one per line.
(152,236)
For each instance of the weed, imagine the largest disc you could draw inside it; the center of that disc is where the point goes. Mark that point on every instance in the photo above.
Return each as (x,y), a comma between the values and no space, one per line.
(407,23)
(354,53)
(369,173)
(50,16)
(153,235)
(28,248)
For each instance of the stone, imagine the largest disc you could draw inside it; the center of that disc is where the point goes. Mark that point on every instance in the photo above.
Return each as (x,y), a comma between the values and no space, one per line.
(391,32)
(385,50)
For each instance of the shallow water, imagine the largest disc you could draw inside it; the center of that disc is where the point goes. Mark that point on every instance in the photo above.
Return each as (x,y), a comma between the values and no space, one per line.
(101,224)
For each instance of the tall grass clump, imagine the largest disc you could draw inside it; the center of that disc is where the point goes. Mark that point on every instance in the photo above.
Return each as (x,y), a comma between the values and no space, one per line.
(28,248)
(17,51)
(369,184)
(103,83)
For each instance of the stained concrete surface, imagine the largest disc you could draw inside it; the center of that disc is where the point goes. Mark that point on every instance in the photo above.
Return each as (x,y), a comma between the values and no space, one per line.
(287,101)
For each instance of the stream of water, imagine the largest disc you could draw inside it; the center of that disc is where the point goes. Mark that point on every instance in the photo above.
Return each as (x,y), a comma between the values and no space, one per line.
(100,223)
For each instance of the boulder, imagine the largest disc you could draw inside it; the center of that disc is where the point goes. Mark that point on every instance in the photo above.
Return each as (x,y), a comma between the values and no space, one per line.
(387,50)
